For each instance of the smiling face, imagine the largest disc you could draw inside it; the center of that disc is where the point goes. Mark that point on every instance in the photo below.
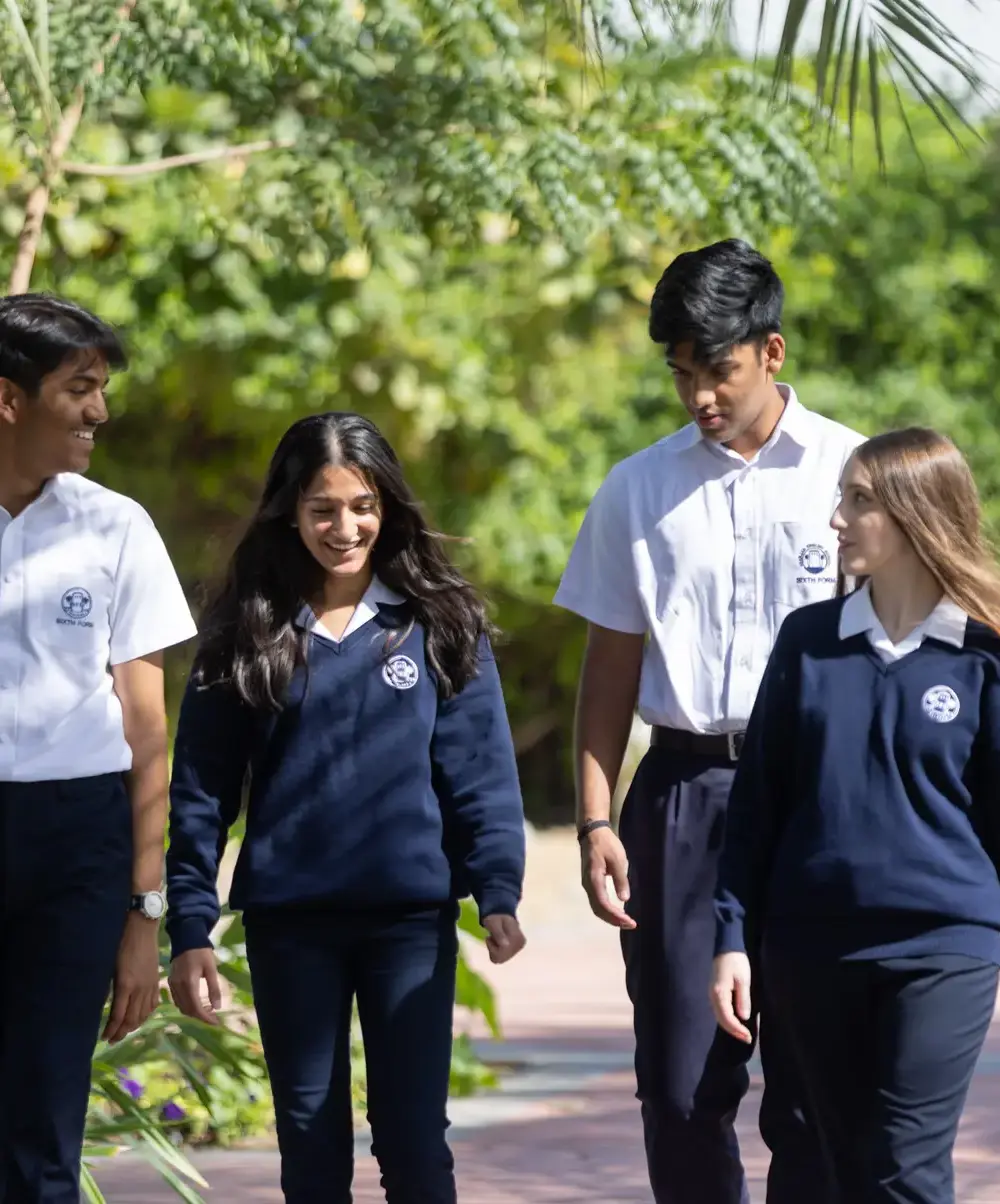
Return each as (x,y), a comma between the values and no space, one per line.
(732,400)
(870,541)
(339,518)
(53,429)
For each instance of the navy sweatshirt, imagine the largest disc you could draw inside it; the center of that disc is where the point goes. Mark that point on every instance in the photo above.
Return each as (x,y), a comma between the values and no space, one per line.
(367,791)
(863,816)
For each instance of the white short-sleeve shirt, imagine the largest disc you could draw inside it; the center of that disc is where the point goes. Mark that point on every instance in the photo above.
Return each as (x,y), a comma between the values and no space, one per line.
(706,553)
(85,583)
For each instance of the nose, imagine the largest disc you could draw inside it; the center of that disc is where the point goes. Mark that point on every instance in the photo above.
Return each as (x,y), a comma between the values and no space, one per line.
(95,411)
(837,520)
(704,395)
(344,526)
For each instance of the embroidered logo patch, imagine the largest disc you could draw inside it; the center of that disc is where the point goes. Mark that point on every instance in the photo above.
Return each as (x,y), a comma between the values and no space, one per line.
(77,603)
(814,558)
(941,704)
(400,672)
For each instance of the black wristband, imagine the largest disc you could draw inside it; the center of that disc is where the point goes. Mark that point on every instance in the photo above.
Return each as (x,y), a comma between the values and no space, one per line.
(590,826)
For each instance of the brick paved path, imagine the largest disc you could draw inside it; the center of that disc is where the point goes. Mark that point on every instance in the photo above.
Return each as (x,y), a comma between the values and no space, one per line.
(565,1130)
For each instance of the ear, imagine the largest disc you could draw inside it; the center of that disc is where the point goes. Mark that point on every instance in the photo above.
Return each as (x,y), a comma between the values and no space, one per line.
(774,354)
(12,400)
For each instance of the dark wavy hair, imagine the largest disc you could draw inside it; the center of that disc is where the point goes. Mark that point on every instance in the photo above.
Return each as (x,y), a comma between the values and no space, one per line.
(716,298)
(250,639)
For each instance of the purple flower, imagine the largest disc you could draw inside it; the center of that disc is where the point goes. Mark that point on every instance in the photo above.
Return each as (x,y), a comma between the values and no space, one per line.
(172,1111)
(133,1088)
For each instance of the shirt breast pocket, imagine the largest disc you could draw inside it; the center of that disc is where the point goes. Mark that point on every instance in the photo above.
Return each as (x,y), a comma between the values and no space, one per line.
(802,562)
(71,617)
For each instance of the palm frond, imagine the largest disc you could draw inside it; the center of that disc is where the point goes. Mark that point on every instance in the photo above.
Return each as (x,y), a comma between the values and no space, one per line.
(868,51)
(901,45)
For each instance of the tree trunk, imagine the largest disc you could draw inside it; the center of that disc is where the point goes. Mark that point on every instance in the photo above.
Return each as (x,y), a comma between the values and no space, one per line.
(38,200)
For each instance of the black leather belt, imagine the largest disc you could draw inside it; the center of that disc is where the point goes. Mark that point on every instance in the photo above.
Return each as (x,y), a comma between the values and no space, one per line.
(727,747)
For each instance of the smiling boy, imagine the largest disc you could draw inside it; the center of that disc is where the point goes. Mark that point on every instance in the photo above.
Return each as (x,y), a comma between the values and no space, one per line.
(88,602)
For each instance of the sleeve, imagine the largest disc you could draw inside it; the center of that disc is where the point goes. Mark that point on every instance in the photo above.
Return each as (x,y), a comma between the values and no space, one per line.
(986,812)
(758,802)
(211,754)
(599,582)
(149,611)
(475,777)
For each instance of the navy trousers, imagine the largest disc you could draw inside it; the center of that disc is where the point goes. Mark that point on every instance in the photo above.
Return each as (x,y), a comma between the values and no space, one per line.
(691,1076)
(307,966)
(887,1050)
(66,879)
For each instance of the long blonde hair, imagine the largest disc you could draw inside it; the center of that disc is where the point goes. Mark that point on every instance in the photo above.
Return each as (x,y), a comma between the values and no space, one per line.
(922,481)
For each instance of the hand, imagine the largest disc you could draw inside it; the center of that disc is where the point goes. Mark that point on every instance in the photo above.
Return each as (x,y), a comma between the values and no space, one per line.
(602,856)
(505,938)
(730,994)
(187,971)
(137,978)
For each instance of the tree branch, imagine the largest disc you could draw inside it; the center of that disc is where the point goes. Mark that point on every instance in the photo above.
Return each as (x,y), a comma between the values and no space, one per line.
(209,155)
(37,204)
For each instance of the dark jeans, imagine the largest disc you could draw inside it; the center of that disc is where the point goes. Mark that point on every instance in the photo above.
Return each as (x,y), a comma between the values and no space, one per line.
(691,1076)
(307,966)
(887,1050)
(66,875)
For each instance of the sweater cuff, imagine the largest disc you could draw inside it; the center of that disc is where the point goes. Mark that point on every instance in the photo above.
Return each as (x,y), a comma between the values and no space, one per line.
(729,938)
(190,932)
(497,901)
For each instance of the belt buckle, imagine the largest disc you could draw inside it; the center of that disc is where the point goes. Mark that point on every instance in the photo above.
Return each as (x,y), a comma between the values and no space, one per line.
(734,743)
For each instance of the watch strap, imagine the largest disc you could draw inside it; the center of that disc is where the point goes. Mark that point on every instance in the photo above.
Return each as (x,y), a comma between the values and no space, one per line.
(591,826)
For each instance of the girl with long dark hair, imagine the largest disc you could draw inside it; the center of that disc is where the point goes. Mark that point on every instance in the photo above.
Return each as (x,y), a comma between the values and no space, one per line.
(859,872)
(345,670)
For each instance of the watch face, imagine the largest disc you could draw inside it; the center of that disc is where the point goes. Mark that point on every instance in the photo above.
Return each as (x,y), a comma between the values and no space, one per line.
(153,904)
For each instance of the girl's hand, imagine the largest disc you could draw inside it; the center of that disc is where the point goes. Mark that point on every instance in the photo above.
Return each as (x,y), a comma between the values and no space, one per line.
(505,938)
(730,994)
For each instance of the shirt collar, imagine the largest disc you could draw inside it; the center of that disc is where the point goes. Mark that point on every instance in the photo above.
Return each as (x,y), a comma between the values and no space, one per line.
(946,622)
(377,594)
(795,421)
(59,486)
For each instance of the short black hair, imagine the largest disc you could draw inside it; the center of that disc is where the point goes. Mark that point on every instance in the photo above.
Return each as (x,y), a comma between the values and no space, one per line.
(39,332)
(718,297)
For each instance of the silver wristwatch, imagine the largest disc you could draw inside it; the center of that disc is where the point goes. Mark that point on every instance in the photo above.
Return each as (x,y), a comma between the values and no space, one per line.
(150,903)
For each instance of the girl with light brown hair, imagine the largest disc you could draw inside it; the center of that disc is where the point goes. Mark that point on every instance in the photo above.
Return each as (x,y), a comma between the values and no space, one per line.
(858,884)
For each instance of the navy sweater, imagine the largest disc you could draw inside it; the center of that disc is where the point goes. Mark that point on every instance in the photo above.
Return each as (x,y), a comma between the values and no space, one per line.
(366,791)
(863,815)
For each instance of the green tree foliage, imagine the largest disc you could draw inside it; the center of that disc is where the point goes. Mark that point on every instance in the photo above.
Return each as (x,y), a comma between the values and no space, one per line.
(895,312)
(401,116)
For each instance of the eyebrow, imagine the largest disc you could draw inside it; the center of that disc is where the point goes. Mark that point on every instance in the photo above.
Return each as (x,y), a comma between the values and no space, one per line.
(728,362)
(90,378)
(361,497)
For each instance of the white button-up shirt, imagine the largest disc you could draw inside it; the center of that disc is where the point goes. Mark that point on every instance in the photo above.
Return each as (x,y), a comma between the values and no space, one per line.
(946,622)
(377,594)
(85,583)
(706,553)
